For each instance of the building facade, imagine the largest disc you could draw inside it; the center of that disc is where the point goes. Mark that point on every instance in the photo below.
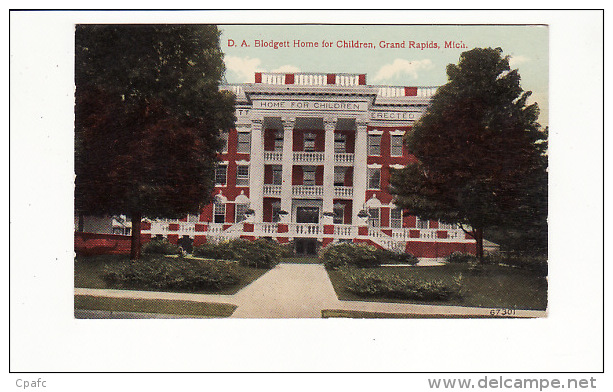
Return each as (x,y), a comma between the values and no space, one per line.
(309,162)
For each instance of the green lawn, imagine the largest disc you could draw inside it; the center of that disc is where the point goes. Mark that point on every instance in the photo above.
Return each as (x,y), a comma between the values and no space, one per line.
(88,274)
(173,307)
(494,287)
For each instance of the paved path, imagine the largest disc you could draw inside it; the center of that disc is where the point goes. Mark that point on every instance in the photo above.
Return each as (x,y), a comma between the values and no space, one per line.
(297,291)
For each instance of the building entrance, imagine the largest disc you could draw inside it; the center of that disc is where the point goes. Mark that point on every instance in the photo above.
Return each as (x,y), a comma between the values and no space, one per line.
(307,215)
(306,246)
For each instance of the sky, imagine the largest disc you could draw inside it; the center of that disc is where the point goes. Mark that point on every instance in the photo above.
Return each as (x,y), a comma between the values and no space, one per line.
(422,61)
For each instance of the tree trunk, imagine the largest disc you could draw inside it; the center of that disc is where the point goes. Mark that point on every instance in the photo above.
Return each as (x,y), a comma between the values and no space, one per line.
(479,239)
(135,243)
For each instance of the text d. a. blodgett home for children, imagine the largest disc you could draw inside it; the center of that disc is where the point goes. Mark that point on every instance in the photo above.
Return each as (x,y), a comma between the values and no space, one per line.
(309,161)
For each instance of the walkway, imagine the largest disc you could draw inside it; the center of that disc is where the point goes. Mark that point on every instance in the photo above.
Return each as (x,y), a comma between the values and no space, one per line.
(297,291)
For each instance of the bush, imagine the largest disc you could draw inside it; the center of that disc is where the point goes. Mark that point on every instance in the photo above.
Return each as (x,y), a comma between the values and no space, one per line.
(344,254)
(260,253)
(287,250)
(459,257)
(172,274)
(161,246)
(374,284)
(361,255)
(406,258)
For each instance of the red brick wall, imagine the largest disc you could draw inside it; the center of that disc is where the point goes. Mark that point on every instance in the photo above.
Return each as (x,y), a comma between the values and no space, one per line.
(88,244)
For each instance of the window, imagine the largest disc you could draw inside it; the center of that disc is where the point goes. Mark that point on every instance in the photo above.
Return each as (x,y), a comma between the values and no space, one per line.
(220,174)
(339,176)
(242,175)
(340,143)
(278,140)
(373,217)
(374,144)
(422,223)
(277,175)
(244,143)
(192,218)
(396,148)
(224,141)
(219,212)
(240,212)
(396,217)
(374,178)
(308,175)
(309,141)
(339,214)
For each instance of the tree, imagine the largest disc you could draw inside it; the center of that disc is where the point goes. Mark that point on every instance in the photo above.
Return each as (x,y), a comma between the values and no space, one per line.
(148,113)
(480,153)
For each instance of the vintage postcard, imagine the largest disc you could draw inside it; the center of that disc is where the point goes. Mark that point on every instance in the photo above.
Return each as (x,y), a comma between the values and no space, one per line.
(276,191)
(360,171)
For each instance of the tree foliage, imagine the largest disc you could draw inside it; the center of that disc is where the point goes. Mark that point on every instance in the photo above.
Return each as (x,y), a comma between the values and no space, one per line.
(147,118)
(481,154)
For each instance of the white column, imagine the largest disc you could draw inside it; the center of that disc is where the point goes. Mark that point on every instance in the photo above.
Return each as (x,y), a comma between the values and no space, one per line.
(288,163)
(359,169)
(329,127)
(256,170)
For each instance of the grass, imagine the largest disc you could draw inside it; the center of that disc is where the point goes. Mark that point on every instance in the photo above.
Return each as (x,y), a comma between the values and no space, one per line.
(493,287)
(173,307)
(88,274)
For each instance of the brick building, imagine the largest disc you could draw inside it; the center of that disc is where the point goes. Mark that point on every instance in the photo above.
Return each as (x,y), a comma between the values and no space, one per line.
(309,161)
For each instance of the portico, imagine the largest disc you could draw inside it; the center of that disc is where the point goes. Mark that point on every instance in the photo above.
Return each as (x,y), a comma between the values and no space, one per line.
(310,158)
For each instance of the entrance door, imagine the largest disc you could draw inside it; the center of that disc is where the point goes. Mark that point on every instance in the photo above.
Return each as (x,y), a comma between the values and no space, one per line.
(307,214)
(306,246)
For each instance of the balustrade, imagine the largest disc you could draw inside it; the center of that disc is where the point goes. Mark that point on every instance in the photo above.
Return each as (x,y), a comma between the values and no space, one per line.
(272,190)
(308,190)
(308,156)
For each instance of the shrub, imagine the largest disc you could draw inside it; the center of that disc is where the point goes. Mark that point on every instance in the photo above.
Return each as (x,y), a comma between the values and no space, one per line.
(287,250)
(406,258)
(172,274)
(363,256)
(459,257)
(374,284)
(219,251)
(161,246)
(343,254)
(260,253)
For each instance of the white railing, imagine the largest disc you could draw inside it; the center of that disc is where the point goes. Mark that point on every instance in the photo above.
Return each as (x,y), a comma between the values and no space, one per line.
(306,229)
(395,92)
(307,190)
(343,158)
(214,229)
(347,80)
(266,228)
(347,231)
(428,234)
(273,78)
(384,240)
(311,79)
(343,191)
(273,156)
(308,156)
(272,190)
